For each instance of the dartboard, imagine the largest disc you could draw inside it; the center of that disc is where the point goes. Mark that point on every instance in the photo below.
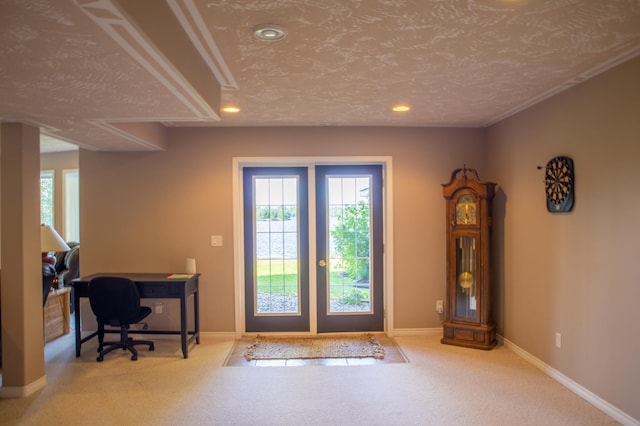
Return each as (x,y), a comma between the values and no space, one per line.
(559,184)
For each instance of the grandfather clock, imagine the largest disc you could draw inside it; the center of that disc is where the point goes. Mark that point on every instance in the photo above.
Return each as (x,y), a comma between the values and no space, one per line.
(468,319)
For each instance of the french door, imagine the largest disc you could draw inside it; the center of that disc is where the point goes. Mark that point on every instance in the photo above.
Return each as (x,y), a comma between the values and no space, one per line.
(349,248)
(347,283)
(276,247)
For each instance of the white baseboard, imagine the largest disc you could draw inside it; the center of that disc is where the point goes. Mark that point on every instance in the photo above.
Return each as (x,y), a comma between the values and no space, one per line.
(220,334)
(23,391)
(416,331)
(574,387)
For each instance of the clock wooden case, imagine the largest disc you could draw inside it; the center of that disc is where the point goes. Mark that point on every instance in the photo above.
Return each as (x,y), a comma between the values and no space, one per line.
(468,320)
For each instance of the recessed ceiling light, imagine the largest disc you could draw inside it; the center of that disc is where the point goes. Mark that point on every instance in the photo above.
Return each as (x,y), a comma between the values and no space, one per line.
(401,108)
(270,32)
(231,109)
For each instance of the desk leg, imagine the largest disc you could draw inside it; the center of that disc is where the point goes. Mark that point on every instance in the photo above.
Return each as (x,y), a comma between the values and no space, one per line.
(183,325)
(78,327)
(196,313)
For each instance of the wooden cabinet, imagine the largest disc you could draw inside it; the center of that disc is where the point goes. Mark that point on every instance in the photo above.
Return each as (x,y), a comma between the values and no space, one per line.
(468,320)
(57,314)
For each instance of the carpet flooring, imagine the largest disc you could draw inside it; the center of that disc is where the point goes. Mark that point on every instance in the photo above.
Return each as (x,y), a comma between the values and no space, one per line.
(440,385)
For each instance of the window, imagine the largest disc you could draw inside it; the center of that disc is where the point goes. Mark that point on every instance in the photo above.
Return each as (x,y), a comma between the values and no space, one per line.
(70,202)
(46,197)
(71,182)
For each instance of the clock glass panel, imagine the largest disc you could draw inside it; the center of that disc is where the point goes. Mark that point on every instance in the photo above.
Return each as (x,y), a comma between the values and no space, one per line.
(466,277)
(466,210)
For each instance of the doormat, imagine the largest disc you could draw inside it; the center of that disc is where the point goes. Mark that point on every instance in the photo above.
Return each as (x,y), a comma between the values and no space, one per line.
(358,346)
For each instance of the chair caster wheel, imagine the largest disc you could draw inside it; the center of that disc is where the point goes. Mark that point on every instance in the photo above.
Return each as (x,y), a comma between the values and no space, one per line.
(134,357)
(100,358)
(152,348)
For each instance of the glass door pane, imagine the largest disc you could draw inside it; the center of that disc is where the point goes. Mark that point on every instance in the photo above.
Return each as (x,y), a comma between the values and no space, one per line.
(349,235)
(277,285)
(349,247)
(276,249)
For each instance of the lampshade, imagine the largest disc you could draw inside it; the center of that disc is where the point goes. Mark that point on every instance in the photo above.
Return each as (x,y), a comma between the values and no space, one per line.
(50,240)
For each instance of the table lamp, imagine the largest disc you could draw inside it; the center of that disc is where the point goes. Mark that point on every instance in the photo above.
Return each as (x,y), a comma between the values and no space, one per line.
(50,241)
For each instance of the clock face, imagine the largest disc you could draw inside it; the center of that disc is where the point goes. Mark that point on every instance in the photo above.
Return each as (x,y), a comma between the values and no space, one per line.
(559,184)
(466,210)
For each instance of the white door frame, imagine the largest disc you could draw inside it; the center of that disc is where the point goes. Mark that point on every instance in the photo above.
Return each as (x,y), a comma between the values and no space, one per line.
(238,229)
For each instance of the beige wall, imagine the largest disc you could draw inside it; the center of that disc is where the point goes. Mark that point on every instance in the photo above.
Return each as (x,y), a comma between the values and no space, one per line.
(149,211)
(575,273)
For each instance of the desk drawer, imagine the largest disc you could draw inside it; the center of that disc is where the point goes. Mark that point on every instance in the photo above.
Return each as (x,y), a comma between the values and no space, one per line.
(154,291)
(161,290)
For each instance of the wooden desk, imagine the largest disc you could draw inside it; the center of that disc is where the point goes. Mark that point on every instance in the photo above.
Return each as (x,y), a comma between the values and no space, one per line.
(150,286)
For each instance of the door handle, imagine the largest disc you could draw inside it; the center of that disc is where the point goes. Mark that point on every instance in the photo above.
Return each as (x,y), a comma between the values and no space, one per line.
(322,263)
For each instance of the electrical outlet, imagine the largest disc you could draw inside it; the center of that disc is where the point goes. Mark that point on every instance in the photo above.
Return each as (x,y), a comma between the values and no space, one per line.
(439,307)
(216,240)
(558,340)
(158,308)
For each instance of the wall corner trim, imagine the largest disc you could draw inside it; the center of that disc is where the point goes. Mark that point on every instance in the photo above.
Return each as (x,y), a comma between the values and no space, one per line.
(23,391)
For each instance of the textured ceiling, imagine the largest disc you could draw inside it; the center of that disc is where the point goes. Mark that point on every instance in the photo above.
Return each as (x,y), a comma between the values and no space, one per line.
(116,74)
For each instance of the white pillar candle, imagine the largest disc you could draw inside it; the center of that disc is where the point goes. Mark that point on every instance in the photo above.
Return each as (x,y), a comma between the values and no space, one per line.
(191,266)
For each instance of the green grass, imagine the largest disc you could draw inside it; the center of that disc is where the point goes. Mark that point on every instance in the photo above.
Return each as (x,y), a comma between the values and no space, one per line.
(281,277)
(280,274)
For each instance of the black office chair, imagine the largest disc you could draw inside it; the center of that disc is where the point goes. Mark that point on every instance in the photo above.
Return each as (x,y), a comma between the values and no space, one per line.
(115,301)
